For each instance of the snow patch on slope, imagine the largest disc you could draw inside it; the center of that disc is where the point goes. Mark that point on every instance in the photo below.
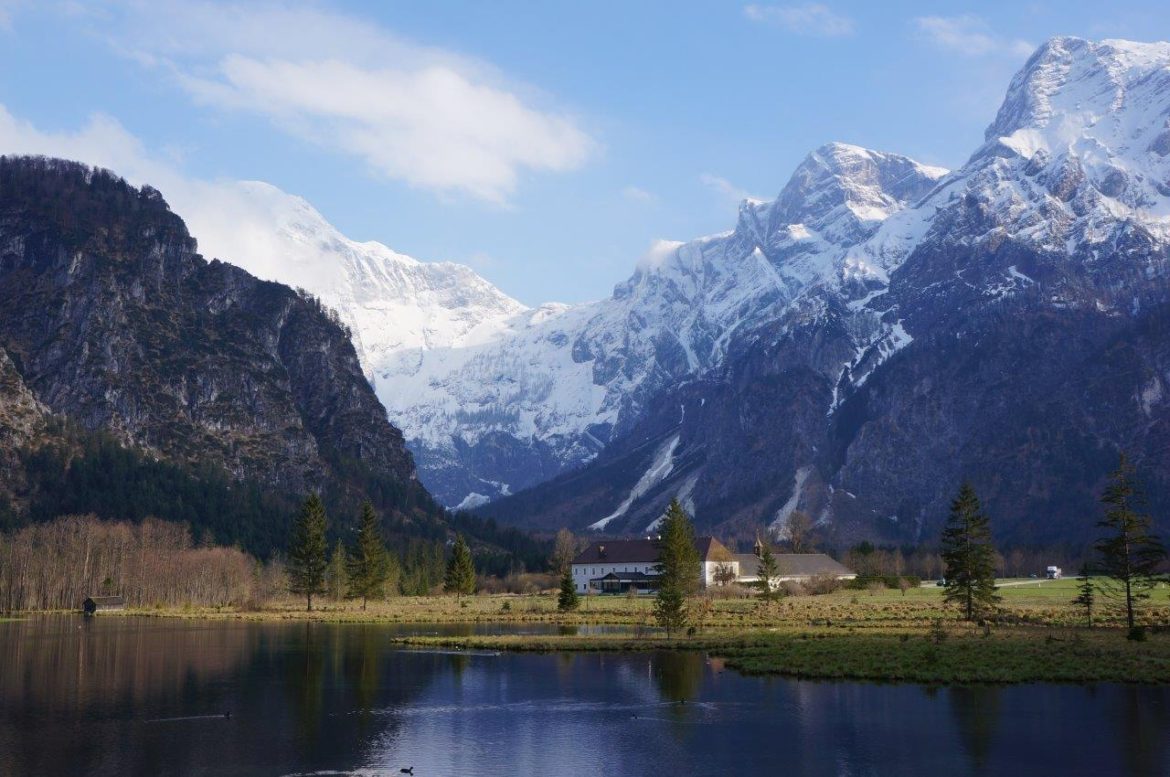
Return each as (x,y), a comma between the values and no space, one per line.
(779,523)
(660,467)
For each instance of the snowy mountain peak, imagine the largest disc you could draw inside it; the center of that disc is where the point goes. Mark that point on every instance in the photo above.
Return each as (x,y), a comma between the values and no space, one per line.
(1092,120)
(392,302)
(1071,84)
(869,185)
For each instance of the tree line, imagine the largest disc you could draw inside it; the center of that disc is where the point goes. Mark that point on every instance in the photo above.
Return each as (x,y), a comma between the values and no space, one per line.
(364,571)
(56,565)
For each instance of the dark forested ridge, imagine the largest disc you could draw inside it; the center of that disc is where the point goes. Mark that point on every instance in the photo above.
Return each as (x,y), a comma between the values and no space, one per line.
(137,379)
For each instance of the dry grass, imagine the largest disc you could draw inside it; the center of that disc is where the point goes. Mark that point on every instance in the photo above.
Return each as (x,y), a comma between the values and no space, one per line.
(1043,604)
(1035,634)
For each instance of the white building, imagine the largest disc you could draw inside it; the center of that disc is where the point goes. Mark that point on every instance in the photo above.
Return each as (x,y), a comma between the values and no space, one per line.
(615,566)
(797,567)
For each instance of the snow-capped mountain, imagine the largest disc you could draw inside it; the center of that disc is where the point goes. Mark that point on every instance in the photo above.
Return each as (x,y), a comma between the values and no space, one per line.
(494,397)
(393,303)
(559,383)
(850,349)
(1007,326)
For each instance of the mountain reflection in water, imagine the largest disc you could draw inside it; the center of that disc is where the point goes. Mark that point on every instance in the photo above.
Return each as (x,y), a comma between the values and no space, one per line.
(131,696)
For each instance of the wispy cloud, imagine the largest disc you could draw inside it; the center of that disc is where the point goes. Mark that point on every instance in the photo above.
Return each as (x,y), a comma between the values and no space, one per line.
(813,19)
(638,194)
(426,116)
(726,188)
(969,36)
(228,224)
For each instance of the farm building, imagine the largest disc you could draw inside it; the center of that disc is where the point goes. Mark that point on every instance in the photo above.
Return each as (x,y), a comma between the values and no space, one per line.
(616,566)
(798,567)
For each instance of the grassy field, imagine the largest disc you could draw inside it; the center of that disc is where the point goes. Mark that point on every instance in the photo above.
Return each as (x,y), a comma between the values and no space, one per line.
(1037,603)
(965,655)
(1036,634)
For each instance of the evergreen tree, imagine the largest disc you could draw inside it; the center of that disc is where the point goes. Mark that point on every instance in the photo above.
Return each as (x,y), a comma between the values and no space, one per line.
(1130,554)
(307,554)
(969,555)
(1086,595)
(337,576)
(460,578)
(568,599)
(768,569)
(370,565)
(678,569)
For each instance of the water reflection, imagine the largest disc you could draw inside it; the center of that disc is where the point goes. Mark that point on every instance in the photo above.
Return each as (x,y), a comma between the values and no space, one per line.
(976,710)
(679,675)
(120,696)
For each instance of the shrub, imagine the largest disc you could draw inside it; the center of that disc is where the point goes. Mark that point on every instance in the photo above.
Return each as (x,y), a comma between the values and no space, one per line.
(822,584)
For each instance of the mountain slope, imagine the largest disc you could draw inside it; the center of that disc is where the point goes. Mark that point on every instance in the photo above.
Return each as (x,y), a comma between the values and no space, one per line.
(563,382)
(110,320)
(1009,327)
(493,396)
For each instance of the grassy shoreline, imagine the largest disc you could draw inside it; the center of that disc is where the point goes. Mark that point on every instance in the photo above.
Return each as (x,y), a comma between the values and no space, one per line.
(1016,655)
(884,636)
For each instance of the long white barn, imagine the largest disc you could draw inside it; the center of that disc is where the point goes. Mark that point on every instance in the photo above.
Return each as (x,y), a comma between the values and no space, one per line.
(616,566)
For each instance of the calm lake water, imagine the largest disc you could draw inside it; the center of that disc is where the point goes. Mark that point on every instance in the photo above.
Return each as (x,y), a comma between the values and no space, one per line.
(125,696)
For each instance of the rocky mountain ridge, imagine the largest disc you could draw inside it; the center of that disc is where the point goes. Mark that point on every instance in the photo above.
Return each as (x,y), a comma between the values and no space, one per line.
(110,320)
(1007,327)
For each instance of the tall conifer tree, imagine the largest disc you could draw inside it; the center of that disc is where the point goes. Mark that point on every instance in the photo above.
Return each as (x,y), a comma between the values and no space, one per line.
(369,565)
(460,577)
(307,553)
(568,599)
(969,555)
(678,569)
(1131,555)
(767,569)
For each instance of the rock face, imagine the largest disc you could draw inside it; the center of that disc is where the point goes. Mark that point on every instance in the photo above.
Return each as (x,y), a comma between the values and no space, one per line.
(494,396)
(561,383)
(851,349)
(110,319)
(1010,326)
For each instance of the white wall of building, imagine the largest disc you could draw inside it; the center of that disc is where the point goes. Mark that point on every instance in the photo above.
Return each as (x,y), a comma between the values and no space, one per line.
(583,573)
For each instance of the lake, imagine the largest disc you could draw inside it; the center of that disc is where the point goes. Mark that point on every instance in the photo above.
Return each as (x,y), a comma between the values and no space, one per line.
(137,696)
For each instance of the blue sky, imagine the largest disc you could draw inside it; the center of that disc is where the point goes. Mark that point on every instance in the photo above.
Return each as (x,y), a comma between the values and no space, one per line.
(546,144)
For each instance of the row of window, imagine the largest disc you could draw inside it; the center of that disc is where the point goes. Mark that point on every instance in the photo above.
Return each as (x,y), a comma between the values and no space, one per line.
(648,568)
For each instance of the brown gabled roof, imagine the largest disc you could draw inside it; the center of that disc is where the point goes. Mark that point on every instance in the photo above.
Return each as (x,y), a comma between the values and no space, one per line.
(645,551)
(794,565)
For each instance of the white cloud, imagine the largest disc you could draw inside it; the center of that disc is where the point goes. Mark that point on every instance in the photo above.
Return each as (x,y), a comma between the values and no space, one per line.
(101,142)
(726,188)
(638,194)
(969,36)
(811,19)
(227,223)
(426,116)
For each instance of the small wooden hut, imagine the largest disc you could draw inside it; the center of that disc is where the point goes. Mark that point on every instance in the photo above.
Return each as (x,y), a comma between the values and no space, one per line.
(102,604)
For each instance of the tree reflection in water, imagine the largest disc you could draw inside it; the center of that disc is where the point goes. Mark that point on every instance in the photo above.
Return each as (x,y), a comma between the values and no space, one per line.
(976,710)
(678,674)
